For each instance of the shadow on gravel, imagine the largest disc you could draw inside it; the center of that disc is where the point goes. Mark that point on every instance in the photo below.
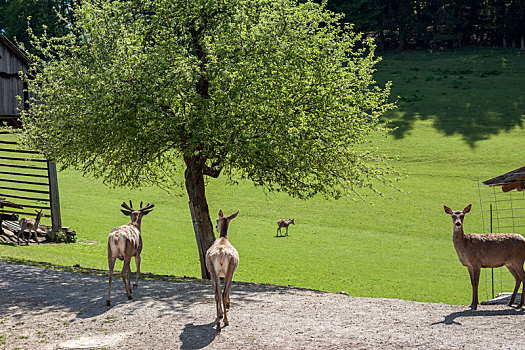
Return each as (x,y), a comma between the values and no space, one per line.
(197,336)
(451,319)
(39,290)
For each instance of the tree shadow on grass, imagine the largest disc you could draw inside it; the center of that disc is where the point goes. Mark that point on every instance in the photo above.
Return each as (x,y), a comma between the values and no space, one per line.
(451,319)
(471,127)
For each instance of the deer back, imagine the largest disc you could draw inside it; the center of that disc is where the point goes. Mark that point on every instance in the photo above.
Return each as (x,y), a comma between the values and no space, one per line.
(125,240)
(490,250)
(220,255)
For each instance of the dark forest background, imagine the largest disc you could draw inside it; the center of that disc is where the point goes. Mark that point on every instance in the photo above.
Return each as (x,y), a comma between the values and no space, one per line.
(399,24)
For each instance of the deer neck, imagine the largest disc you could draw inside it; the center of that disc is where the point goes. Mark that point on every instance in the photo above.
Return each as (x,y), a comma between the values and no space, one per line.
(137,223)
(459,235)
(223,233)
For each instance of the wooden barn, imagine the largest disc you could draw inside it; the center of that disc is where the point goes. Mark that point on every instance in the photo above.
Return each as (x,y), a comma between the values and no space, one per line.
(28,183)
(513,180)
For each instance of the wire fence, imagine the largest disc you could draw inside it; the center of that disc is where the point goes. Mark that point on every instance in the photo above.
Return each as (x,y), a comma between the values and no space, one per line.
(501,212)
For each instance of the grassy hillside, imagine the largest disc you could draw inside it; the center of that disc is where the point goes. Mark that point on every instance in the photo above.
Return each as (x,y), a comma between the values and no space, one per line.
(459,117)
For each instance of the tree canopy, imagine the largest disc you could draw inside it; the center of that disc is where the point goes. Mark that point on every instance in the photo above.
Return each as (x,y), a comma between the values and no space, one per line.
(279,93)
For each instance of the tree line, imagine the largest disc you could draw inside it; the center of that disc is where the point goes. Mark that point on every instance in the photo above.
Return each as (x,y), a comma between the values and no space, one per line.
(437,23)
(396,24)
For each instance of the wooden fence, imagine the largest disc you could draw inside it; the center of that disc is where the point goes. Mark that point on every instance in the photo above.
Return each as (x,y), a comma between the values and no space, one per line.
(30,181)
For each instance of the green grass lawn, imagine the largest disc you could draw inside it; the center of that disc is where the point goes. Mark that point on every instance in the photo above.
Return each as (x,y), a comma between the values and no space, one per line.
(460,116)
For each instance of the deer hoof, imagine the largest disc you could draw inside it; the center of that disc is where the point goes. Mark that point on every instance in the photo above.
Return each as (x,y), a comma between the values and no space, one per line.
(473,307)
(135,285)
(108,303)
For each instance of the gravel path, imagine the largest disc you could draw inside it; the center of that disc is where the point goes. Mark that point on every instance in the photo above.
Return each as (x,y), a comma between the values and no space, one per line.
(48,309)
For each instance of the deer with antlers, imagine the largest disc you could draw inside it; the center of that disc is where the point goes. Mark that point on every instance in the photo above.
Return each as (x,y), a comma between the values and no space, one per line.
(221,261)
(125,242)
(30,225)
(476,251)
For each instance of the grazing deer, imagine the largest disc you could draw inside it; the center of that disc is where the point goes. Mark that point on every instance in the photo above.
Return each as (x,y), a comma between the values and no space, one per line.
(31,225)
(222,260)
(125,242)
(284,223)
(476,251)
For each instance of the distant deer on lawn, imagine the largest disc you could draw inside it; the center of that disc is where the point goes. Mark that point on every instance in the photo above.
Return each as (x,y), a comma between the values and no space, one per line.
(284,223)
(30,225)
(221,261)
(125,242)
(476,251)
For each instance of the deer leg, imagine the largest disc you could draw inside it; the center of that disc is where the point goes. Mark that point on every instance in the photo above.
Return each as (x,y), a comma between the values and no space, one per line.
(218,297)
(518,274)
(516,287)
(228,282)
(111,263)
(521,274)
(125,277)
(36,236)
(20,233)
(474,281)
(278,230)
(137,263)
(286,231)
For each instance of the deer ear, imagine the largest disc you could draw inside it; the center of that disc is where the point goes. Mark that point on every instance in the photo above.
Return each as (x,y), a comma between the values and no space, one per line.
(447,209)
(125,212)
(467,208)
(221,213)
(233,216)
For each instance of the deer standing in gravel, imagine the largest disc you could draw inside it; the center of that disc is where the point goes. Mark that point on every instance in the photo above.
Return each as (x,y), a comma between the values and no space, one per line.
(125,242)
(284,223)
(30,225)
(221,261)
(476,251)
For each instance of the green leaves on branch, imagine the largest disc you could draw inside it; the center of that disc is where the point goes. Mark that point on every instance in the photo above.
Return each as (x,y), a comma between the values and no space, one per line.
(275,92)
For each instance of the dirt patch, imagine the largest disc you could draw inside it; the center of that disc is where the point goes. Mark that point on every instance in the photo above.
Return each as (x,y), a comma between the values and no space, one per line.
(47,309)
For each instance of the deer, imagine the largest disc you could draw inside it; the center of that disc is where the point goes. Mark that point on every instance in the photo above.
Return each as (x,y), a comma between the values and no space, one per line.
(476,251)
(221,261)
(125,242)
(30,225)
(284,223)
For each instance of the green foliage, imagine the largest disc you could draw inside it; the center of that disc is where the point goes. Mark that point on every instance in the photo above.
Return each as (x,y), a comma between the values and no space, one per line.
(274,92)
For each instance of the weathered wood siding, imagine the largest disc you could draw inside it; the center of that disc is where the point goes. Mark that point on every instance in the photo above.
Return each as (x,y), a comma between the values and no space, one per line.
(10,83)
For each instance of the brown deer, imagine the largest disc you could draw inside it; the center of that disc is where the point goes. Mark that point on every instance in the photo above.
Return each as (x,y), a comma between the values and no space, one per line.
(125,242)
(476,251)
(284,223)
(30,225)
(222,260)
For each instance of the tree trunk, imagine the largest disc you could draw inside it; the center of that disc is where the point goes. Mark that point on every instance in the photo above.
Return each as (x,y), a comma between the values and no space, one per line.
(194,177)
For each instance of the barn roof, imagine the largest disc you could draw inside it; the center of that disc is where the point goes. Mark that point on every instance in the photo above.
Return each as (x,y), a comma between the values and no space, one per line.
(514,179)
(18,53)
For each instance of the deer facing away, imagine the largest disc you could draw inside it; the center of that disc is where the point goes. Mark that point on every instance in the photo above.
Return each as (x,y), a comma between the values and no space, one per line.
(31,225)
(125,242)
(284,223)
(476,251)
(221,261)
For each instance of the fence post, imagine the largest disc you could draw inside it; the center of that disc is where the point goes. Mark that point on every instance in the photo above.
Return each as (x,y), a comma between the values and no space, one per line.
(56,219)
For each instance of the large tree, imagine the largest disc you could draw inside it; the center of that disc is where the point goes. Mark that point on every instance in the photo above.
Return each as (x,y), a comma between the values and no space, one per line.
(276,92)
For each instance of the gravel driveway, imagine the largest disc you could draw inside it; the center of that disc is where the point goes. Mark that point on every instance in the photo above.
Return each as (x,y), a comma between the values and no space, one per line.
(47,309)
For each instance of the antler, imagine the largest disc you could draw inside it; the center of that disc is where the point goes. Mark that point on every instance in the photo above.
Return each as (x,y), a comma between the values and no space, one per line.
(128,207)
(147,208)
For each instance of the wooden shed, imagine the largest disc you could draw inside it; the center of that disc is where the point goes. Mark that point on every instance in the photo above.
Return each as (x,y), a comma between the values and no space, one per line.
(513,180)
(27,181)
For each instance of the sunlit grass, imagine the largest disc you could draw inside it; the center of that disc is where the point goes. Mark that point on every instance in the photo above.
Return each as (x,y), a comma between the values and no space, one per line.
(396,246)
